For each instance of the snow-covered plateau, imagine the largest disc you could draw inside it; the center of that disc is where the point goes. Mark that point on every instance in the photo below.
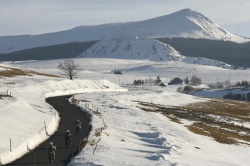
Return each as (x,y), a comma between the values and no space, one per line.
(131,136)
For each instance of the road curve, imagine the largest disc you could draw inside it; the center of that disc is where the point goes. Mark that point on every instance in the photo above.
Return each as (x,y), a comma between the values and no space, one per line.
(68,114)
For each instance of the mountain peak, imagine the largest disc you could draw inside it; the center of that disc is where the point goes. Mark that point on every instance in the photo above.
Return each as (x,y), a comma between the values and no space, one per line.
(184,23)
(189,13)
(186,10)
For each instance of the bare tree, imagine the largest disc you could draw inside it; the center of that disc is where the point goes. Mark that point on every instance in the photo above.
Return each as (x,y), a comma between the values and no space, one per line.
(68,68)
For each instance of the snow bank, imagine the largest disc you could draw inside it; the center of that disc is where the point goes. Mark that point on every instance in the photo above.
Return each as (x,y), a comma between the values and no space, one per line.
(31,141)
(165,98)
(83,86)
(21,111)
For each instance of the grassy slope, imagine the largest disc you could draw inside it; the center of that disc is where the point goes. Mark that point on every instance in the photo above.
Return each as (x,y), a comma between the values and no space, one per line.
(218,118)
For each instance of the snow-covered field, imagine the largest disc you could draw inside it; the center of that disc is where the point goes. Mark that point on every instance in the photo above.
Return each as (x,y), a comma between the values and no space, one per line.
(135,137)
(132,136)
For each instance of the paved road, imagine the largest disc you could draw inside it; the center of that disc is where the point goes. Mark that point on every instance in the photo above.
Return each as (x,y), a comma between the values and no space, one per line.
(69,114)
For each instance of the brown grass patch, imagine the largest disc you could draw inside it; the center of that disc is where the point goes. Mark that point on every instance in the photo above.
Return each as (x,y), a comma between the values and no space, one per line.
(97,133)
(174,119)
(213,118)
(96,112)
(42,74)
(77,101)
(74,101)
(12,72)
(4,96)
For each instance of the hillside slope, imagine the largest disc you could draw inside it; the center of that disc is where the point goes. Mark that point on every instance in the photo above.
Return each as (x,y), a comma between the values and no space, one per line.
(229,52)
(68,50)
(134,47)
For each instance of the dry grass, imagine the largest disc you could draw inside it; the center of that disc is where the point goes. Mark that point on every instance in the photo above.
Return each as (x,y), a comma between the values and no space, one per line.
(173,119)
(4,96)
(98,133)
(216,118)
(77,101)
(96,112)
(42,74)
(12,72)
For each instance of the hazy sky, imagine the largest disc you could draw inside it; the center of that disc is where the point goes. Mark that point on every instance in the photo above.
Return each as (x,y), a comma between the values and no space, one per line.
(42,16)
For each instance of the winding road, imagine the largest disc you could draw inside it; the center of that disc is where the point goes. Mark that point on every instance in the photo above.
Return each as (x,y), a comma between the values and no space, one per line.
(68,114)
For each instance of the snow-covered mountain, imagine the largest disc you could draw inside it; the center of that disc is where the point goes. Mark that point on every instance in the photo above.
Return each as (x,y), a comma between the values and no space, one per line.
(132,47)
(184,23)
(135,47)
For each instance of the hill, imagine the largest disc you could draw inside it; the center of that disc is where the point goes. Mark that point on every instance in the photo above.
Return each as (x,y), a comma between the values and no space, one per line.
(226,51)
(134,47)
(68,50)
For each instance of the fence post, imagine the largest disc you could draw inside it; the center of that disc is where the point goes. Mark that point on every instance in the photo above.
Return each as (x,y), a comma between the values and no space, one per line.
(45,127)
(79,146)
(10,146)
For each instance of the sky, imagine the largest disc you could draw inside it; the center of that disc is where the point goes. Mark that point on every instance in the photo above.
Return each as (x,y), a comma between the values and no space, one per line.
(19,17)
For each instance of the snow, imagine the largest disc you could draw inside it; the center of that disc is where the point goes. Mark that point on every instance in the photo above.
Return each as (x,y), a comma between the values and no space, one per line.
(129,135)
(20,112)
(132,136)
(184,23)
(129,47)
(134,47)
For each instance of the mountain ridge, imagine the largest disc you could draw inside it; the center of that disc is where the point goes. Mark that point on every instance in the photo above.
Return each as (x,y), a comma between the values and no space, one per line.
(183,23)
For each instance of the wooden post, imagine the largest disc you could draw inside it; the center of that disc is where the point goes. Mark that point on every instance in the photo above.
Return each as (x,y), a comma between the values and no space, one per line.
(45,127)
(10,146)
(79,148)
